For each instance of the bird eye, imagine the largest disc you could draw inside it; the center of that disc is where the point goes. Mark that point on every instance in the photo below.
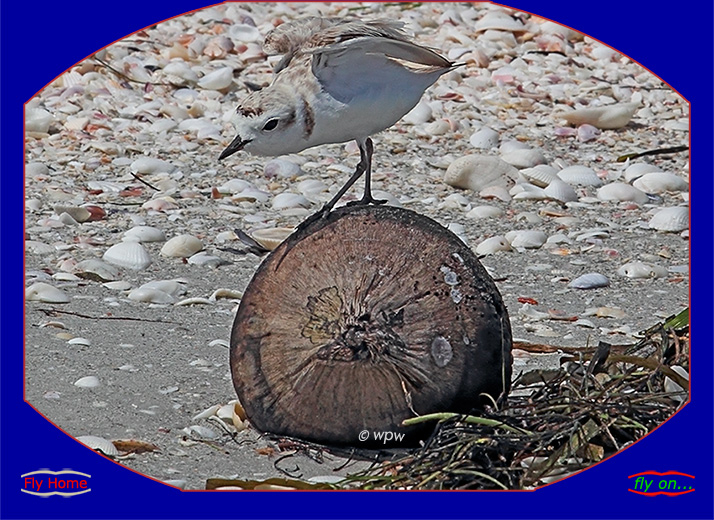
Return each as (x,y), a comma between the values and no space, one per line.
(272,124)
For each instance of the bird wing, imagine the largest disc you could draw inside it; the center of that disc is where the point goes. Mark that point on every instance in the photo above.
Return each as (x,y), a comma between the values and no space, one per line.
(347,67)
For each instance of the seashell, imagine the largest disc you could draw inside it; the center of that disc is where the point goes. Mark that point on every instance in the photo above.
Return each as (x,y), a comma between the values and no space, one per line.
(485,212)
(230,294)
(493,245)
(194,301)
(641,270)
(39,248)
(605,117)
(87,382)
(498,21)
(418,115)
(36,169)
(144,234)
(484,139)
(151,165)
(528,191)
(219,343)
(526,239)
(456,201)
(65,277)
(590,281)
(79,341)
(77,123)
(311,187)
(96,270)
(476,172)
(290,200)
(251,194)
(529,217)
(208,412)
(541,175)
(619,191)
(561,191)
(79,214)
(234,186)
(201,432)
(524,157)
(162,204)
(636,170)
(660,182)
(270,238)
(99,444)
(203,259)
(172,287)
(129,255)
(120,285)
(218,79)
(495,192)
(673,219)
(580,176)
(37,120)
(680,394)
(587,133)
(46,293)
(182,246)
(244,33)
(281,168)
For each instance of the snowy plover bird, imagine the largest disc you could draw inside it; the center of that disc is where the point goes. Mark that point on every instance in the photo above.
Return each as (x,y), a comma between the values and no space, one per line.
(338,80)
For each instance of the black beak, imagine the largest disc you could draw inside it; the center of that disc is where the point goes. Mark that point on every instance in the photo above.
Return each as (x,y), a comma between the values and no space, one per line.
(236,145)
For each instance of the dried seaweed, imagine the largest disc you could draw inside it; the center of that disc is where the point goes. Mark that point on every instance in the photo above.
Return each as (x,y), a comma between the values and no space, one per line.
(547,430)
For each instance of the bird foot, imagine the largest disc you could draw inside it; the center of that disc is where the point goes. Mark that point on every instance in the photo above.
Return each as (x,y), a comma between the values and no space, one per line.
(367,200)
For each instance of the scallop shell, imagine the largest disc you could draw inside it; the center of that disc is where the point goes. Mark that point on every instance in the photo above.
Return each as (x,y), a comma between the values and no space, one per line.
(673,219)
(526,239)
(289,201)
(605,117)
(541,175)
(484,212)
(561,191)
(99,444)
(144,234)
(484,139)
(636,170)
(660,182)
(44,292)
(129,255)
(476,172)
(524,157)
(590,281)
(580,176)
(493,245)
(270,238)
(641,270)
(96,270)
(619,191)
(182,246)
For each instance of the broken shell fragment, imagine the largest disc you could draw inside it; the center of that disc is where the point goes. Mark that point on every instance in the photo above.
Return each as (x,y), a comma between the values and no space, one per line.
(605,117)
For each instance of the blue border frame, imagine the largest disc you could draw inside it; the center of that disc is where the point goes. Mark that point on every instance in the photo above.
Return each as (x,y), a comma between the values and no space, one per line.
(39,41)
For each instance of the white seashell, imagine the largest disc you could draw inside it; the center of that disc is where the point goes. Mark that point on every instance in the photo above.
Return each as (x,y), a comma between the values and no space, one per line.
(149,295)
(660,182)
(605,117)
(97,270)
(151,165)
(561,191)
(234,186)
(493,245)
(636,170)
(619,191)
(37,120)
(99,444)
(244,33)
(270,238)
(181,70)
(641,270)
(203,259)
(531,313)
(590,281)
(161,204)
(495,192)
(39,248)
(77,213)
(36,169)
(673,388)
(526,239)
(528,191)
(418,115)
(281,168)
(498,21)
(43,292)
(76,123)
(201,432)
(476,172)
(459,230)
(529,217)
(484,139)
(230,294)
(172,287)
(580,176)
(144,234)
(289,201)
(205,414)
(218,79)
(87,382)
(524,157)
(311,187)
(541,175)
(182,246)
(484,212)
(194,301)
(219,343)
(79,341)
(673,219)
(129,255)
(251,194)
(65,277)
(121,285)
